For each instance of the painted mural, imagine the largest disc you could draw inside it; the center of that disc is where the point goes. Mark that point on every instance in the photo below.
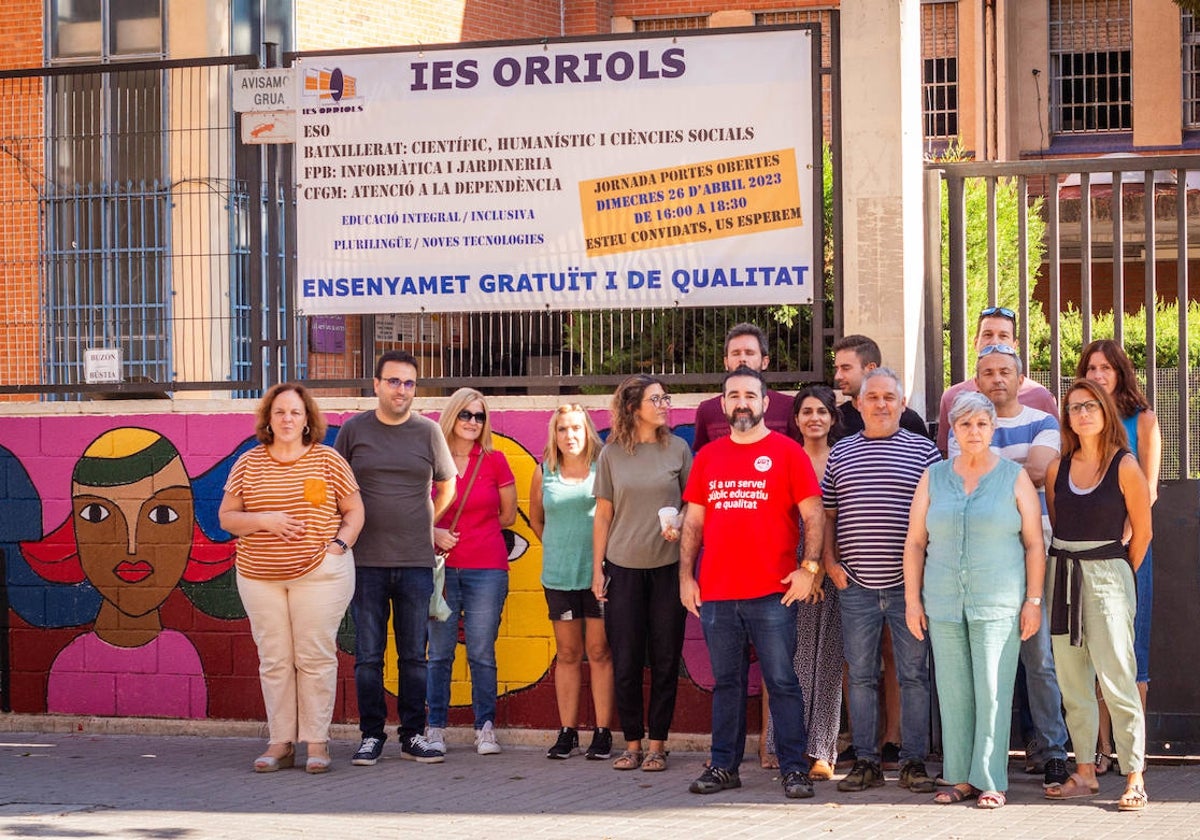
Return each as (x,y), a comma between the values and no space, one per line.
(119,581)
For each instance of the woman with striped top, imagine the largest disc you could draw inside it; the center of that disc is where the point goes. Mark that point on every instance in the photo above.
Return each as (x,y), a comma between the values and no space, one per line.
(294,505)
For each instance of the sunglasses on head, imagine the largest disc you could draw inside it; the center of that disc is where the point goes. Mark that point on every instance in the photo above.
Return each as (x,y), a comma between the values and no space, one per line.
(467,416)
(1003,311)
(998,348)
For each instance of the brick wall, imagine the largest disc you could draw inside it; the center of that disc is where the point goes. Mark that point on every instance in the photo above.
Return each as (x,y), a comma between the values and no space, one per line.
(21,173)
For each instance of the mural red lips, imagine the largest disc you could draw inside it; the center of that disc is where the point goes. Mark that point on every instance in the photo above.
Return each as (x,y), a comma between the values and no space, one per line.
(134,572)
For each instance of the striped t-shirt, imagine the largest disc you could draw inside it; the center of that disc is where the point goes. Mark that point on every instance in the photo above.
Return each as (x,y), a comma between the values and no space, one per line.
(309,489)
(1015,436)
(870,483)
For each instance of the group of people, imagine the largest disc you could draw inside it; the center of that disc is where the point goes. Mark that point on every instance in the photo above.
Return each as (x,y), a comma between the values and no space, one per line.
(793,526)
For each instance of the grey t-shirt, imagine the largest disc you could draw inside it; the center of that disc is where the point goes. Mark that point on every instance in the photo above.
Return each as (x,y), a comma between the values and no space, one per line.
(395,467)
(638,485)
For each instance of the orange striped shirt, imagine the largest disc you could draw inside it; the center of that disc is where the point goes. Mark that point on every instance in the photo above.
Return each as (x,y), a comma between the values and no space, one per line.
(308,489)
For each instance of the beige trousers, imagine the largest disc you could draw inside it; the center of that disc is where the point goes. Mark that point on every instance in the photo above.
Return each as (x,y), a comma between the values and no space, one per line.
(294,624)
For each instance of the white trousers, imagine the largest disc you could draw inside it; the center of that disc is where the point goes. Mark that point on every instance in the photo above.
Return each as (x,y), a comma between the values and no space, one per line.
(295,624)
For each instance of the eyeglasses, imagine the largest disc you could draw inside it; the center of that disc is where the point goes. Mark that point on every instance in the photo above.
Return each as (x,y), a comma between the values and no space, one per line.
(397,382)
(998,348)
(479,417)
(1003,311)
(1088,407)
(660,400)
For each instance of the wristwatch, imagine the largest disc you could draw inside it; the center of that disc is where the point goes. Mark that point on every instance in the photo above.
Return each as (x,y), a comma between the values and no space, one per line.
(1037,602)
(341,542)
(811,566)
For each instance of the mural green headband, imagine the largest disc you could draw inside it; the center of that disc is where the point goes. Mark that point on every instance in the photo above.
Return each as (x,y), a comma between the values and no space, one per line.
(120,462)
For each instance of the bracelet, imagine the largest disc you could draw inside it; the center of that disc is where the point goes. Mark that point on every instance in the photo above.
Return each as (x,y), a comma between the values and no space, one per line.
(341,542)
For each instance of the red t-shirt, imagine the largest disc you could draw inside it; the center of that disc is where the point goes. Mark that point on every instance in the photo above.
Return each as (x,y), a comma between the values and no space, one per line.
(480,538)
(750,493)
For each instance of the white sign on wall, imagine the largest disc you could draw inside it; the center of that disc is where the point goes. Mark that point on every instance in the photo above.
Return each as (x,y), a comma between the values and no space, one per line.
(102,364)
(623,172)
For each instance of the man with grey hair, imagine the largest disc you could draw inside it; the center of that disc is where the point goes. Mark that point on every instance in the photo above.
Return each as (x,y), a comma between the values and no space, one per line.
(868,489)
(1031,438)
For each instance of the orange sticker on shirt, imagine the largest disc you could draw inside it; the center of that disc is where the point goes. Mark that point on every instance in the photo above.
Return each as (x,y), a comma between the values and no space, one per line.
(316,491)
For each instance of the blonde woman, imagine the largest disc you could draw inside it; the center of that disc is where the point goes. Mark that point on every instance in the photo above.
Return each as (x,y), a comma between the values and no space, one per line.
(470,533)
(561,512)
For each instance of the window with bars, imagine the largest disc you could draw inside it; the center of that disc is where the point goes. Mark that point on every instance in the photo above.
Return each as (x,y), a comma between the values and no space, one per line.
(1191,70)
(106,201)
(670,24)
(939,69)
(1091,66)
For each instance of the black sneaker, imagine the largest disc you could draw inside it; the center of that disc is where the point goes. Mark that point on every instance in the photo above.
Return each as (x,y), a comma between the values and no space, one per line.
(889,756)
(1034,764)
(847,757)
(416,748)
(368,751)
(566,746)
(601,746)
(715,780)
(866,774)
(914,777)
(1056,773)
(797,785)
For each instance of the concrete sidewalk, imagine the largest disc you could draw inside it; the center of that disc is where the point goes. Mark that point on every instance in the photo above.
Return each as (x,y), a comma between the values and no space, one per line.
(86,785)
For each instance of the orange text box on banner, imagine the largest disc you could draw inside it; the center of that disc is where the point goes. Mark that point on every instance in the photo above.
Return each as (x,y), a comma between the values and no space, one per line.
(691,203)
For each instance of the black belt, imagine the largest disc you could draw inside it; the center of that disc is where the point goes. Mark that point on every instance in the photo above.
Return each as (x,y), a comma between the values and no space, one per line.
(1067,616)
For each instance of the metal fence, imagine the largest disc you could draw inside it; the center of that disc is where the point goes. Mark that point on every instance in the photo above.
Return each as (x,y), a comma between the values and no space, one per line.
(1082,249)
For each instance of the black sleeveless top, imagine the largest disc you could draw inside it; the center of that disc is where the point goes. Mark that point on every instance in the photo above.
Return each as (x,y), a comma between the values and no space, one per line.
(1098,515)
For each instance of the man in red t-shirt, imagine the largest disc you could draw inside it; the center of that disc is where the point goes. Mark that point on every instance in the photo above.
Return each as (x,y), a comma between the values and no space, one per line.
(743,496)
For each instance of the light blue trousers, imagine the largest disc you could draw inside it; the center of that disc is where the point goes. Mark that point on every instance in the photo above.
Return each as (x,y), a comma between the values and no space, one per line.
(975,663)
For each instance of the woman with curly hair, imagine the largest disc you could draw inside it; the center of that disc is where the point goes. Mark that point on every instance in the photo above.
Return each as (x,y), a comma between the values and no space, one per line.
(635,561)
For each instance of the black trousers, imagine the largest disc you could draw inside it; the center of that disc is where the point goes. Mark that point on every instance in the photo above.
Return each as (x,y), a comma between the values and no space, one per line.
(644,619)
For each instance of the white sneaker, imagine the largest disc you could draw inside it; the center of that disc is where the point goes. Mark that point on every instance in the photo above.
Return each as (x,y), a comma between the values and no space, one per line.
(485,740)
(435,736)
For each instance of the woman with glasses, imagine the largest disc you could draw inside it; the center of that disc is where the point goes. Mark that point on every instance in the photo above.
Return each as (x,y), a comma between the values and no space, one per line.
(1105,363)
(562,508)
(635,560)
(1094,488)
(470,535)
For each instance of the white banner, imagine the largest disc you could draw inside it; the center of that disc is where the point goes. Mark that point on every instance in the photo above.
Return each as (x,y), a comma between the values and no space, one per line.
(632,172)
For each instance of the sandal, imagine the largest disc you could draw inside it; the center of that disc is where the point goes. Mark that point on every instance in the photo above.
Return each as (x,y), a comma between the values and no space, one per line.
(990,800)
(958,793)
(628,760)
(1133,799)
(654,762)
(1105,761)
(768,761)
(1076,787)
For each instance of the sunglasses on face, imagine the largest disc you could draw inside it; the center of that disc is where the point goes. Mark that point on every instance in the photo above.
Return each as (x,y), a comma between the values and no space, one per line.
(396,382)
(467,416)
(1002,311)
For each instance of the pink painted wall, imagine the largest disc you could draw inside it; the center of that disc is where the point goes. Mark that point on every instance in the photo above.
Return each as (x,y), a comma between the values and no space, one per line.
(205,664)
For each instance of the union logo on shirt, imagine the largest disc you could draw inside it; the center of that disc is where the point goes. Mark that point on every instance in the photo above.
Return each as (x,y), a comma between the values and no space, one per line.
(762,463)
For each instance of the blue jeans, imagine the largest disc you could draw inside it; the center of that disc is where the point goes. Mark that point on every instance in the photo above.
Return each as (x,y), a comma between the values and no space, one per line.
(1042,692)
(478,596)
(863,614)
(729,629)
(402,592)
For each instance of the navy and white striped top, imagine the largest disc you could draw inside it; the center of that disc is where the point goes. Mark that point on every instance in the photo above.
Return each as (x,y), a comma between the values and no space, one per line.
(870,483)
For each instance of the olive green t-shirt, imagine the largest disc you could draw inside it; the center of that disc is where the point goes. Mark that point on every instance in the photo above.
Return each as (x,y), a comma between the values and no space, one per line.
(638,485)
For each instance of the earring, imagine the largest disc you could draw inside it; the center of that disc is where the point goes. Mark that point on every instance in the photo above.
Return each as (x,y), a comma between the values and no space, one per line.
(305,429)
